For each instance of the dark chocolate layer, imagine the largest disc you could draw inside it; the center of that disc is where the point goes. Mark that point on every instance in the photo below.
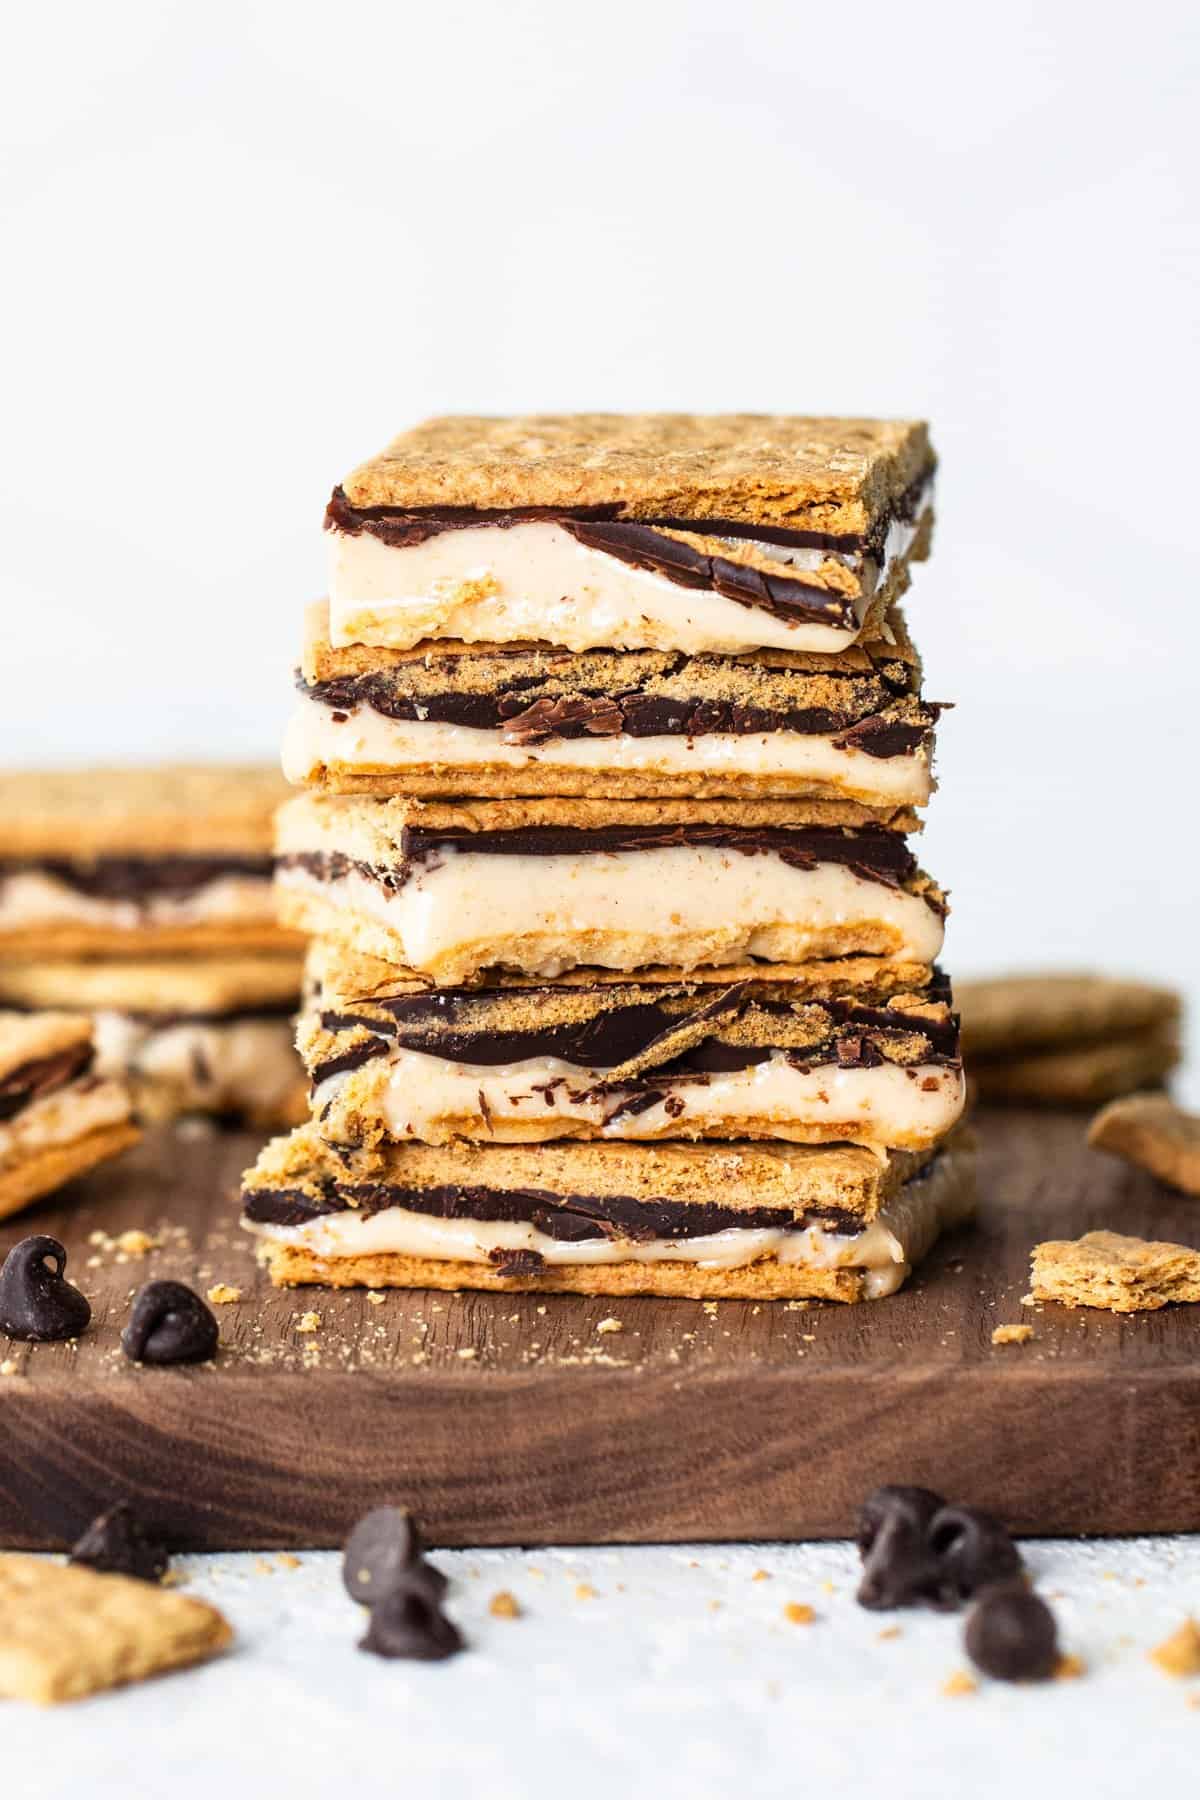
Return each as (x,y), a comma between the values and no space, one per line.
(137,877)
(41,1076)
(452,1024)
(870,851)
(569,1218)
(869,721)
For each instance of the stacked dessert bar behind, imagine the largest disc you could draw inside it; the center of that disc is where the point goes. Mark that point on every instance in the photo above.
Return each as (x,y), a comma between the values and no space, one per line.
(143,897)
(623,965)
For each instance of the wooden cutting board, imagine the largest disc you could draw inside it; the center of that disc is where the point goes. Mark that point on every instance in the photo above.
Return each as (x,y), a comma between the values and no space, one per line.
(516,1420)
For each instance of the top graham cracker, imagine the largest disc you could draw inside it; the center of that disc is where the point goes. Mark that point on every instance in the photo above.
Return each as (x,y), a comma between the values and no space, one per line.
(163,810)
(832,475)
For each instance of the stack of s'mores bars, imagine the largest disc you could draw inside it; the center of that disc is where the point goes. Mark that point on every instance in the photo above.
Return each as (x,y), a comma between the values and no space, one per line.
(141,898)
(623,975)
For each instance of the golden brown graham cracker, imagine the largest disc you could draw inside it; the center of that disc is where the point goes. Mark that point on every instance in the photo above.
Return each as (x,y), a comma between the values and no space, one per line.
(1119,1274)
(26,1037)
(40,1172)
(163,985)
(1154,1133)
(66,1632)
(1006,1014)
(62,942)
(1082,1075)
(179,809)
(824,474)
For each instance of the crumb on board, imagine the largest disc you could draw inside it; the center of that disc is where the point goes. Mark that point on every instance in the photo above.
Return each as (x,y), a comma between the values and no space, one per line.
(585,1591)
(761,1575)
(959,1683)
(223,1293)
(796,1613)
(888,1633)
(467,1354)
(1180,1653)
(374,1298)
(504,1605)
(1069,1667)
(286,1560)
(309,1321)
(610,1325)
(10,1366)
(1012,1334)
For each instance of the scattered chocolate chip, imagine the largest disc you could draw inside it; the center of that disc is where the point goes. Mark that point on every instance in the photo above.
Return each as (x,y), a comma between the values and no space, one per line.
(972,1550)
(409,1622)
(37,1302)
(1012,1634)
(898,1567)
(384,1549)
(169,1323)
(116,1543)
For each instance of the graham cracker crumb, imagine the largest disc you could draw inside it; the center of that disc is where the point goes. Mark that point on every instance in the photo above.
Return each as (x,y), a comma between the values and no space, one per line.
(798,1614)
(263,1567)
(286,1560)
(585,1591)
(374,1299)
(309,1321)
(136,1243)
(760,1575)
(9,1366)
(504,1605)
(1069,1668)
(889,1632)
(1012,1334)
(959,1683)
(1180,1653)
(222,1294)
(610,1325)
(467,1354)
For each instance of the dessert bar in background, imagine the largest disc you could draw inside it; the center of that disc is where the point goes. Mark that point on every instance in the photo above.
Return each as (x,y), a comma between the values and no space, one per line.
(142,898)
(59,1116)
(624,967)
(1067,1039)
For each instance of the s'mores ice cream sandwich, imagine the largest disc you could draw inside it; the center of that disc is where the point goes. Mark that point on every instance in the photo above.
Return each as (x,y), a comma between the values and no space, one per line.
(701,1222)
(138,862)
(59,1116)
(660,531)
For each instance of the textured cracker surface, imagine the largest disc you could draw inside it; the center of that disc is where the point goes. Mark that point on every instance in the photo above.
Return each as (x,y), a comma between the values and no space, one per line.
(1119,1274)
(744,1176)
(1008,1013)
(1080,1075)
(166,985)
(66,1632)
(28,1177)
(173,809)
(26,1037)
(1150,1130)
(52,942)
(824,474)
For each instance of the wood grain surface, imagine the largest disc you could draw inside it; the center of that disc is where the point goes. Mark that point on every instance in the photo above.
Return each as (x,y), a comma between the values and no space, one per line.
(512,1420)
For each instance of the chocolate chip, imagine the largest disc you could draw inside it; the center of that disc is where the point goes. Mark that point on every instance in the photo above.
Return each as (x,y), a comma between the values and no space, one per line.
(898,1567)
(116,1543)
(408,1622)
(972,1550)
(169,1324)
(1012,1634)
(37,1302)
(384,1549)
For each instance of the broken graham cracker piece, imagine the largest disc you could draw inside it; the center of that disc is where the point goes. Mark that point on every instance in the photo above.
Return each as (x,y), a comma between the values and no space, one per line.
(1012,1334)
(1179,1655)
(69,1632)
(1119,1274)
(1151,1131)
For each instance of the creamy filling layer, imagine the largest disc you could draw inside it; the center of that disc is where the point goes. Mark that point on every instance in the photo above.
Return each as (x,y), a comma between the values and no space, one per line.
(646,903)
(886,1105)
(321,737)
(69,1113)
(398,1232)
(29,898)
(245,1065)
(502,584)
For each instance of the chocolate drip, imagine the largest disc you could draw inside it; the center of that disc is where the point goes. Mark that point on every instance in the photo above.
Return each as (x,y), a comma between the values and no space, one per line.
(138,877)
(571,1218)
(42,1075)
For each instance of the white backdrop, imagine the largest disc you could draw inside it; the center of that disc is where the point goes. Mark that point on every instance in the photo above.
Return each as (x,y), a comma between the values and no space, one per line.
(245,243)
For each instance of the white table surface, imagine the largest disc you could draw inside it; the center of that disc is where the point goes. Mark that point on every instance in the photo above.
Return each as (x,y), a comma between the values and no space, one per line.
(678,1677)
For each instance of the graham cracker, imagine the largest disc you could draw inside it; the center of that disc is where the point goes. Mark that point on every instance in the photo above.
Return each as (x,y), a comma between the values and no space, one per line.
(181,985)
(824,474)
(1154,1133)
(1119,1274)
(28,1177)
(174,809)
(1079,1076)
(1006,1014)
(66,1632)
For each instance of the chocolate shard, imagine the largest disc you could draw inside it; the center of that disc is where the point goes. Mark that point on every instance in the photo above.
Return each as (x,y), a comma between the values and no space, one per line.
(116,1543)
(558,718)
(516,1262)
